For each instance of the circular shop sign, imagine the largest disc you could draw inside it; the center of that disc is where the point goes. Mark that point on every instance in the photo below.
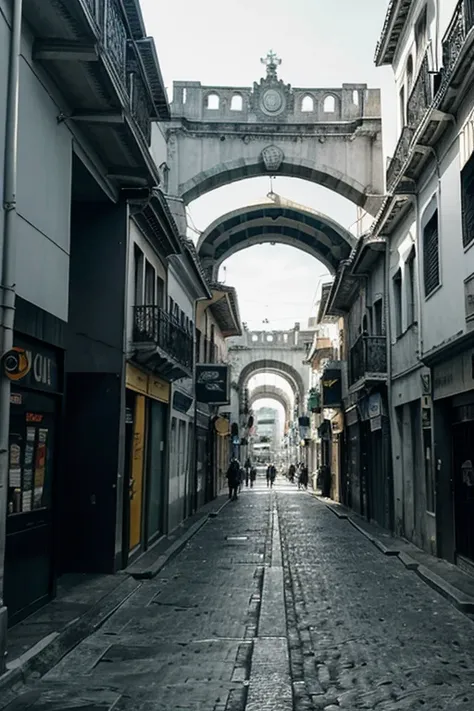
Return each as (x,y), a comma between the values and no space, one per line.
(16,364)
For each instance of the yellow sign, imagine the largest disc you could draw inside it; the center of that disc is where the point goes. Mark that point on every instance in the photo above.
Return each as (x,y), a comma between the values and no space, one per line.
(158,389)
(136,380)
(16,364)
(222,426)
(329,383)
(150,385)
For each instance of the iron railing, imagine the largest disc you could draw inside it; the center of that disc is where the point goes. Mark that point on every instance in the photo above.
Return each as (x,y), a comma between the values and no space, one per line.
(453,41)
(367,355)
(421,96)
(153,325)
(400,156)
(108,17)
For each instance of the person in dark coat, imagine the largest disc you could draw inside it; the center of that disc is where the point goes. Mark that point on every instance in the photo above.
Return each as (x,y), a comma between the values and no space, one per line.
(233,478)
(271,475)
(253,475)
(303,477)
(248,466)
(291,473)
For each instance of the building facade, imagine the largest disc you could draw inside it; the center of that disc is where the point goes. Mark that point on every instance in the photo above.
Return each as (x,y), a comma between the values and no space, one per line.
(426,220)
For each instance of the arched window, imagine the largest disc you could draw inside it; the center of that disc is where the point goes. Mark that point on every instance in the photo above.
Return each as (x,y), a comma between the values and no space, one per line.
(409,73)
(307,104)
(212,101)
(329,104)
(237,103)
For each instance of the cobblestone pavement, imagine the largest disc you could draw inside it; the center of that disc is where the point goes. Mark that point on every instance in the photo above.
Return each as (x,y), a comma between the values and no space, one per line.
(274,605)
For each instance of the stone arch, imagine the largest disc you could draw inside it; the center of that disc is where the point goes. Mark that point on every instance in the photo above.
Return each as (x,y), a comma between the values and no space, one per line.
(272,393)
(305,229)
(273,366)
(240,168)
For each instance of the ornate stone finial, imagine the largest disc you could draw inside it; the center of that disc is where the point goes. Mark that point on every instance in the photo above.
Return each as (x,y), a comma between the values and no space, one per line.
(271,62)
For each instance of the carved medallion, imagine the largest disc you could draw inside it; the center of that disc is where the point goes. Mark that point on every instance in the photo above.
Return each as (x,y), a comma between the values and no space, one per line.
(272,156)
(272,102)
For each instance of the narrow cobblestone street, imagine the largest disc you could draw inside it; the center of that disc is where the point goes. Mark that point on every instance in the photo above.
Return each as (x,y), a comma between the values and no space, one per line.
(275,604)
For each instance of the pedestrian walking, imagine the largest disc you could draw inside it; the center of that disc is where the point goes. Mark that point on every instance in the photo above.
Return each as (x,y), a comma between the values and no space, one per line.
(253,475)
(233,478)
(248,466)
(271,475)
(291,473)
(303,477)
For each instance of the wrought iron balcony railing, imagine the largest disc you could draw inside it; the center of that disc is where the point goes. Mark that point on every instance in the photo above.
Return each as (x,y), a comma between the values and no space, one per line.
(368,355)
(400,156)
(453,41)
(154,326)
(113,31)
(421,96)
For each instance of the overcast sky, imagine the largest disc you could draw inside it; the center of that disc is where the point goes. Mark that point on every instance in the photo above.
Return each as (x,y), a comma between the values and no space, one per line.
(321,43)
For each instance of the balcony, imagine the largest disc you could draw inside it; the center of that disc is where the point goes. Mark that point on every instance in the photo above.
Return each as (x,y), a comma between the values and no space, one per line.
(368,360)
(107,70)
(161,344)
(455,37)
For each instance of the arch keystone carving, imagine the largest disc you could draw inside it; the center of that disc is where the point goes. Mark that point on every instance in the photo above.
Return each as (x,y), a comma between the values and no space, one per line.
(272,157)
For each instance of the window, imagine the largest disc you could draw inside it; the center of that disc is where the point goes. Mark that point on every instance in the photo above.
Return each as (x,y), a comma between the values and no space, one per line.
(307,103)
(397,302)
(165,171)
(237,103)
(467,202)
(429,470)
(150,279)
(160,292)
(431,255)
(185,96)
(171,306)
(329,105)
(378,318)
(212,101)
(139,261)
(355,97)
(198,345)
(409,73)
(421,33)
(402,107)
(410,288)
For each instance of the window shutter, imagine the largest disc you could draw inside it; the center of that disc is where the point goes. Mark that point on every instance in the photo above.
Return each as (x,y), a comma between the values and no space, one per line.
(431,254)
(467,201)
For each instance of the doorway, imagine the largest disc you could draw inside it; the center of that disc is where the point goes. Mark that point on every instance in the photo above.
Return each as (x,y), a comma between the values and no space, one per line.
(463,480)
(136,464)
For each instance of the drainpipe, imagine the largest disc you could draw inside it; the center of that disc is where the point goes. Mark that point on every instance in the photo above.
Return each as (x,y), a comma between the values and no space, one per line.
(7,285)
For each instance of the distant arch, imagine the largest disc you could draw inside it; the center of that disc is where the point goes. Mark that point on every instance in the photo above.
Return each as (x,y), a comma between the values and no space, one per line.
(307,230)
(262,392)
(273,366)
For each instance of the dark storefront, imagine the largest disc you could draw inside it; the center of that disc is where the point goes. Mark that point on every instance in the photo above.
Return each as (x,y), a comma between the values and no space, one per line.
(35,370)
(367,487)
(453,409)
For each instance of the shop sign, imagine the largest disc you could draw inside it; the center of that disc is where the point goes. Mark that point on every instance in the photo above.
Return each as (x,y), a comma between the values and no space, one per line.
(375,405)
(376,423)
(426,418)
(212,384)
(222,426)
(32,366)
(136,380)
(454,376)
(158,389)
(331,388)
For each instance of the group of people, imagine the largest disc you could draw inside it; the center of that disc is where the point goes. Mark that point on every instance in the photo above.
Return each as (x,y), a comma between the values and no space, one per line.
(236,475)
(300,473)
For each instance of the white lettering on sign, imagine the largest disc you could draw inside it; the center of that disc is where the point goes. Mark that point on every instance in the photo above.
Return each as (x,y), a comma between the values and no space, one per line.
(41,368)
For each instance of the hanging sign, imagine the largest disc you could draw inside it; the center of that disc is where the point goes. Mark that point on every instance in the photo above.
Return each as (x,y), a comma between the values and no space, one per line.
(212,384)
(35,366)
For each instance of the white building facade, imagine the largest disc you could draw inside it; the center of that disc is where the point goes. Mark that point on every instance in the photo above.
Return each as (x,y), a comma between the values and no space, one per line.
(428,223)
